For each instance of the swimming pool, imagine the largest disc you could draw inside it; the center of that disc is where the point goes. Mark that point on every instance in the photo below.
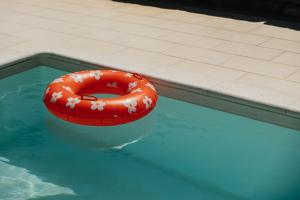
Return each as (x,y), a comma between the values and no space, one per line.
(180,151)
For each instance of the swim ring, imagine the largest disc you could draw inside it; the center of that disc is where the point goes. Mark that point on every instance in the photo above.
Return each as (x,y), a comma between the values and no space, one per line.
(70,97)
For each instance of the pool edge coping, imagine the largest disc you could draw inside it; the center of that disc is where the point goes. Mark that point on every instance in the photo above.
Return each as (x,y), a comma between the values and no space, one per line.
(196,95)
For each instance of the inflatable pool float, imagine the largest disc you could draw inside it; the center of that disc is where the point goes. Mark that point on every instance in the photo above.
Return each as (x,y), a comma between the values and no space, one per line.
(70,98)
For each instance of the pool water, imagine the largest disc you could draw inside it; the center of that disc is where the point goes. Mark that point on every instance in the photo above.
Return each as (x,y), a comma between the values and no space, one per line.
(180,151)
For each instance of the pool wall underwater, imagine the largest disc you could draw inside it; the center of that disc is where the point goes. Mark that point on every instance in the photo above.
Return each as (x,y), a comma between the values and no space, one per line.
(219,101)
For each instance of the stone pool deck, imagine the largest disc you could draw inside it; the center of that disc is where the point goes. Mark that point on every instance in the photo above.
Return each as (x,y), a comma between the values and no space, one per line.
(249,59)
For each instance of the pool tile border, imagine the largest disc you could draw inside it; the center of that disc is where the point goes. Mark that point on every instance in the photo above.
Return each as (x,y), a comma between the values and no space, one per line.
(216,100)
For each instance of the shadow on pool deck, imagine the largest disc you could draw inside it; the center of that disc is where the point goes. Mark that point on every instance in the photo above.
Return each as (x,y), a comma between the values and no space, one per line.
(247,12)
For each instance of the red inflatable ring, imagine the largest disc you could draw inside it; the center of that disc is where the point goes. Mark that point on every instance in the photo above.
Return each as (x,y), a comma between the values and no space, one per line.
(69,97)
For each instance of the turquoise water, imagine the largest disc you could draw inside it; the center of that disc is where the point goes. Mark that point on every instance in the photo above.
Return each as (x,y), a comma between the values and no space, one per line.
(180,151)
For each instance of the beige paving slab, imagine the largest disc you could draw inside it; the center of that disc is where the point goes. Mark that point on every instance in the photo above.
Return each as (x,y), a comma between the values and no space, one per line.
(286,87)
(262,89)
(139,19)
(79,48)
(278,32)
(6,40)
(280,44)
(295,76)
(9,55)
(12,6)
(9,28)
(35,21)
(94,46)
(139,61)
(140,30)
(144,43)
(267,68)
(195,74)
(31,2)
(94,33)
(183,16)
(256,93)
(53,25)
(197,54)
(186,28)
(96,12)
(83,49)
(95,4)
(289,58)
(121,26)
(248,50)
(94,22)
(17,17)
(5,13)
(269,91)
(16,1)
(141,10)
(232,24)
(42,35)
(295,106)
(56,5)
(55,14)
(193,40)
(238,36)
(42,46)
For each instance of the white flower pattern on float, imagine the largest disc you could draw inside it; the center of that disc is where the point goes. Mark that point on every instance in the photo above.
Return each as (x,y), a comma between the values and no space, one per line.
(131,86)
(150,86)
(68,89)
(97,74)
(72,102)
(137,90)
(97,105)
(131,105)
(147,101)
(55,96)
(77,78)
(128,75)
(47,90)
(113,84)
(58,80)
